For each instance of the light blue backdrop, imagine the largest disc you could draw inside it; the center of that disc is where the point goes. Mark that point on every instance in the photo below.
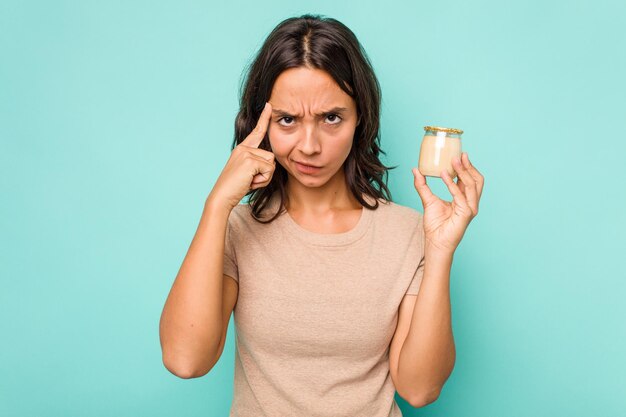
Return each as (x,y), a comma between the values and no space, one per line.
(116,119)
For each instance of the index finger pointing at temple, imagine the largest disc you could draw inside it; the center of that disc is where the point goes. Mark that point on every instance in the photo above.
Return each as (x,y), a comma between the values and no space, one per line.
(255,137)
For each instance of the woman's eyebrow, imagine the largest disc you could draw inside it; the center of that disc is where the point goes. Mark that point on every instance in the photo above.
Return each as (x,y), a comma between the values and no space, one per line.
(333,110)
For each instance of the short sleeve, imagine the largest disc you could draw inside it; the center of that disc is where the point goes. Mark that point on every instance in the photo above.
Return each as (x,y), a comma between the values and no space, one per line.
(418,275)
(416,282)
(230,260)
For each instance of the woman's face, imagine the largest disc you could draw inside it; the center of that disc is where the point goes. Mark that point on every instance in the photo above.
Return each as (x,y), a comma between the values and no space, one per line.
(313,122)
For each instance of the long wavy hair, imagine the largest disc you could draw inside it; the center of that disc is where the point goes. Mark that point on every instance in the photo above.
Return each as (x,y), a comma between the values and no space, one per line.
(321,43)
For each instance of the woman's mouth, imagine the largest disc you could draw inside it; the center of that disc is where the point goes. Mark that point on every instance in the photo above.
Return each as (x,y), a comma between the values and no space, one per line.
(307,169)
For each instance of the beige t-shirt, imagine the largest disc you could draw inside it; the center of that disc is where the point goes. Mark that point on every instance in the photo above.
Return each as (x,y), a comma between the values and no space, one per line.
(316,312)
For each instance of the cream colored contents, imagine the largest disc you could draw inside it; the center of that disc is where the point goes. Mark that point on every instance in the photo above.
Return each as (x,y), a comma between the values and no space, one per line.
(436,154)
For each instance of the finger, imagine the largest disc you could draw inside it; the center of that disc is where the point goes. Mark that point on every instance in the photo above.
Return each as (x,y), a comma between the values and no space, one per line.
(261,153)
(262,162)
(470,168)
(480,180)
(461,185)
(263,170)
(469,190)
(264,176)
(457,194)
(419,181)
(255,137)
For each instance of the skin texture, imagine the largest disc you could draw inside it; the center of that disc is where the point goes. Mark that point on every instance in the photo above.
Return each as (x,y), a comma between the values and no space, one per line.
(299,131)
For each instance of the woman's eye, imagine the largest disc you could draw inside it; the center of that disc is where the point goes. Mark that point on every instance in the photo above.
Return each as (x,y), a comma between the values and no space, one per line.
(334,119)
(286,118)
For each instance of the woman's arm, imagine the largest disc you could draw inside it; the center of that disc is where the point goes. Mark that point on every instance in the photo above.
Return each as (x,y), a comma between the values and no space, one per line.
(428,354)
(191,322)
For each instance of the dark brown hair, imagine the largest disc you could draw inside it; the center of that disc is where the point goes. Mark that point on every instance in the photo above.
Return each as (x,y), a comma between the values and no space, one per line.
(322,43)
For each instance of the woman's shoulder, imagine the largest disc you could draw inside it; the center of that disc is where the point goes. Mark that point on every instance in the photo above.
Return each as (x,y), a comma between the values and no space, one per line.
(239,215)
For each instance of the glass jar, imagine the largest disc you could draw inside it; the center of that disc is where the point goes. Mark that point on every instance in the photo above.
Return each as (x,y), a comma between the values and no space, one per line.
(439,146)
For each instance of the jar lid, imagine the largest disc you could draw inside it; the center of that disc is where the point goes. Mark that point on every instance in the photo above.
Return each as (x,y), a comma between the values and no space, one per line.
(443,129)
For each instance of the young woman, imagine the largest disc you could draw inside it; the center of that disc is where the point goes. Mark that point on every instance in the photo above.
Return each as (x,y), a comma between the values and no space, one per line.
(340,296)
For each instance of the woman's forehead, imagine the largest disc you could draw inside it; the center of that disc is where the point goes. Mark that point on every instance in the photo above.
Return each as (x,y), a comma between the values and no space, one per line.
(310,90)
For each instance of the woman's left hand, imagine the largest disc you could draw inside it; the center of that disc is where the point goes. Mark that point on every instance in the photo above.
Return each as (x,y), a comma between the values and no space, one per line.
(445,222)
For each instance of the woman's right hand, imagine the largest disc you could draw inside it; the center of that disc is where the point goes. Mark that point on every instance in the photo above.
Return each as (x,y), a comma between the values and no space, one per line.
(248,167)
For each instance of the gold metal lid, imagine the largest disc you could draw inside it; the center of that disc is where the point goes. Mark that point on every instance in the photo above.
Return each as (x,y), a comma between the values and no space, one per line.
(443,129)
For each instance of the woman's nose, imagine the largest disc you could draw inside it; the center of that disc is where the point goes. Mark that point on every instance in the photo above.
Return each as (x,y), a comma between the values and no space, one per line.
(309,143)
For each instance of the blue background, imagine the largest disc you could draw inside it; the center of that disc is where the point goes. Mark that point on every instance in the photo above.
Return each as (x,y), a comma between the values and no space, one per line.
(116,118)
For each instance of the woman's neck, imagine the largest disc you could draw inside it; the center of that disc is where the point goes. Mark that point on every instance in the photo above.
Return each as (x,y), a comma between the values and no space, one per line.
(331,197)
